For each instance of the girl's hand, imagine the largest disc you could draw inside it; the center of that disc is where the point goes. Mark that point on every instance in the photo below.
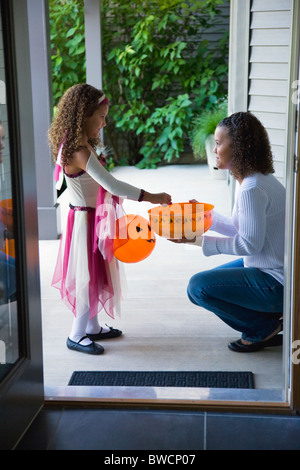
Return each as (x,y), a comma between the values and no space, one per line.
(158,198)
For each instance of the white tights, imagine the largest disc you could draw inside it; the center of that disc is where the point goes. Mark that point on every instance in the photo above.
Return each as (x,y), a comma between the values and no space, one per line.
(83,325)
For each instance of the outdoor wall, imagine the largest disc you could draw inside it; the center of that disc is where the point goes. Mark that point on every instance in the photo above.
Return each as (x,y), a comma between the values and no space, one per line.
(221,24)
(262,62)
(269,71)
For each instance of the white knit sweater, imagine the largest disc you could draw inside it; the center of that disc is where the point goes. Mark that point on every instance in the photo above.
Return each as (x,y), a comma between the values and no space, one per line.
(257,226)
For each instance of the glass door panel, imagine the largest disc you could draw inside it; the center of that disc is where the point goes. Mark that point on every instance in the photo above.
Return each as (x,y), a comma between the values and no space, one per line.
(9,337)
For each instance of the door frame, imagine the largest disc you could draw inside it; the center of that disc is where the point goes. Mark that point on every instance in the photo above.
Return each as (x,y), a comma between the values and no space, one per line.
(21,391)
(295,330)
(26,382)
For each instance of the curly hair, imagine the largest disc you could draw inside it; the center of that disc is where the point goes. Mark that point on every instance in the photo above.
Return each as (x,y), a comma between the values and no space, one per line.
(251,149)
(77,104)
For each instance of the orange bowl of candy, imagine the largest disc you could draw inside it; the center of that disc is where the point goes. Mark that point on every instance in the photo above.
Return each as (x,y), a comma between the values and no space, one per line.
(181,220)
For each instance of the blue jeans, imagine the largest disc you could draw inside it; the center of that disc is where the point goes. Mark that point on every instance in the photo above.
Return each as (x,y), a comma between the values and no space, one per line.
(246,299)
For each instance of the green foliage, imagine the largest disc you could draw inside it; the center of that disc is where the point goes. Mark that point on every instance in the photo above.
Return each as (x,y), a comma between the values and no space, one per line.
(67,45)
(157,72)
(164,130)
(205,124)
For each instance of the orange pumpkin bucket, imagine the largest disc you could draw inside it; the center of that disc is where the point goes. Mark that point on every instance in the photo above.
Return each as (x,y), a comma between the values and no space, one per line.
(134,240)
(181,220)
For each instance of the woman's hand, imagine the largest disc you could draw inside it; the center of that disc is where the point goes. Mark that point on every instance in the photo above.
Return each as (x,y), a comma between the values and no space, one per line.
(158,198)
(193,241)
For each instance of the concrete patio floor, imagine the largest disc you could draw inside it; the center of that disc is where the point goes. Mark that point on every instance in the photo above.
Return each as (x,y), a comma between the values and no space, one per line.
(162,329)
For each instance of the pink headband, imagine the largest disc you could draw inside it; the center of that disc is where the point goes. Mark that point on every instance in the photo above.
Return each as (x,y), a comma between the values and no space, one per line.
(103,100)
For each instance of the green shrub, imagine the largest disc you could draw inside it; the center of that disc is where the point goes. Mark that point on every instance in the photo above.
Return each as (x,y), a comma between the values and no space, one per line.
(204,125)
(158,71)
(67,43)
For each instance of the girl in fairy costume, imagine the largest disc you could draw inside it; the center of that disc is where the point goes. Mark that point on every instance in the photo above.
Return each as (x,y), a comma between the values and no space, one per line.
(86,272)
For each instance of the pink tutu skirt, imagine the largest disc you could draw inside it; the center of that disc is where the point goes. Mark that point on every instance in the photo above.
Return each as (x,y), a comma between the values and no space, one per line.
(86,272)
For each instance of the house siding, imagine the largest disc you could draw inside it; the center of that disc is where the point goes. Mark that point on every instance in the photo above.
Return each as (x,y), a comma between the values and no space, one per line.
(269,69)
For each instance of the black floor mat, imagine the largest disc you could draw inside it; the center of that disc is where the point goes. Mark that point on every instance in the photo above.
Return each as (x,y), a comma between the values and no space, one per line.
(163,379)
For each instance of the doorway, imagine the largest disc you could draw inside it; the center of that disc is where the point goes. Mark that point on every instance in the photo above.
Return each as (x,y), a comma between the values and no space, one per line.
(162,329)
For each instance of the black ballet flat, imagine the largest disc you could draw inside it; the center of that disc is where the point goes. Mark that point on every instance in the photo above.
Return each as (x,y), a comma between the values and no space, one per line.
(238,346)
(92,348)
(112,333)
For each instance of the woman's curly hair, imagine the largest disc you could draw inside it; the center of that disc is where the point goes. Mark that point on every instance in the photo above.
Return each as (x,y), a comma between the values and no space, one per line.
(77,104)
(251,149)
